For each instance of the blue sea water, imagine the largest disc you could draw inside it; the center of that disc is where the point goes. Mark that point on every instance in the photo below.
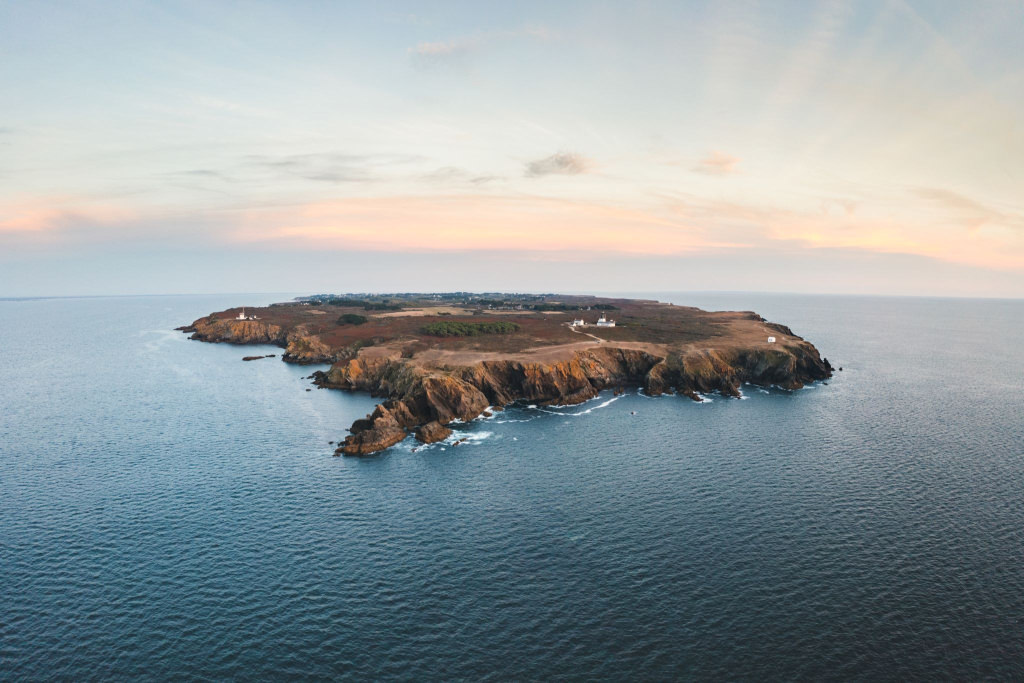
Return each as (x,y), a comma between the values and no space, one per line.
(168,511)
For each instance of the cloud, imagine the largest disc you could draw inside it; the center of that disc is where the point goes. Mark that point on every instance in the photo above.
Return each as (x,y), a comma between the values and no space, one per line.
(968,212)
(330,167)
(717,163)
(455,51)
(54,214)
(457,176)
(202,173)
(441,49)
(562,163)
(408,18)
(393,223)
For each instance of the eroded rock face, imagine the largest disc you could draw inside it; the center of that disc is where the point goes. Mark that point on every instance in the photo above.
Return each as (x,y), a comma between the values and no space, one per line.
(382,429)
(307,348)
(432,432)
(423,398)
(300,346)
(232,331)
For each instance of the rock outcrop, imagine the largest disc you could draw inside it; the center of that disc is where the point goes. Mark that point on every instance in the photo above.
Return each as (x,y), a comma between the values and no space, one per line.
(379,430)
(230,331)
(432,432)
(299,344)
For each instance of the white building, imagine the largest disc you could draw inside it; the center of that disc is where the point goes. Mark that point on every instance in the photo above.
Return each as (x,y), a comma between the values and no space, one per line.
(577,323)
(243,316)
(771,340)
(604,322)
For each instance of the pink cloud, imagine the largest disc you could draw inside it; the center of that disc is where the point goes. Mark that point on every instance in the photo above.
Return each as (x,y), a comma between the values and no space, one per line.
(717,163)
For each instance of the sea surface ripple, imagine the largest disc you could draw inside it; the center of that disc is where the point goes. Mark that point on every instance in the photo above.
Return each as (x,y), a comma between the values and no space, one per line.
(168,511)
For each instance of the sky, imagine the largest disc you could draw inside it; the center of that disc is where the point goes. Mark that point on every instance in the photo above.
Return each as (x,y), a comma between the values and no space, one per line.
(871,147)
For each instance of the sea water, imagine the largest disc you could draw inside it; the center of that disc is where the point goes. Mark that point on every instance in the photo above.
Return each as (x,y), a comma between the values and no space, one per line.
(169,511)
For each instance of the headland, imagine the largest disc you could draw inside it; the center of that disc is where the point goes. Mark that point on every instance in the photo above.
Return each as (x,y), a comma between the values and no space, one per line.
(437,358)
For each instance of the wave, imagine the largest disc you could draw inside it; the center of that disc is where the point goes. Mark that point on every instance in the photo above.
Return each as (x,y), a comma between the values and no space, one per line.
(582,412)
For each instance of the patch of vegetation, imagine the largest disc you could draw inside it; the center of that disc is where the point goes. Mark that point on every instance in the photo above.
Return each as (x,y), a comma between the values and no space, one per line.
(605,307)
(462,329)
(556,307)
(352,319)
(365,304)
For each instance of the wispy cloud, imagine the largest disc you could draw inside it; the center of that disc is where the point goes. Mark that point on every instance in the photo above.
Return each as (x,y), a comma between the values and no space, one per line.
(562,163)
(49,215)
(443,49)
(717,163)
(330,167)
(470,222)
(968,212)
(454,175)
(456,50)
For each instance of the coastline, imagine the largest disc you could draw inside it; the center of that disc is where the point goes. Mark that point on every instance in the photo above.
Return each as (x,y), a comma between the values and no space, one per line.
(427,383)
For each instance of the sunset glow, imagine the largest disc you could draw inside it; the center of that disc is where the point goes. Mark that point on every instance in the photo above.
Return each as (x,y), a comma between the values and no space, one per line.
(832,132)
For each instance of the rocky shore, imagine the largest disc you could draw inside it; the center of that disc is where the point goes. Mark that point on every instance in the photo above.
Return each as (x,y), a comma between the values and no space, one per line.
(418,397)
(426,387)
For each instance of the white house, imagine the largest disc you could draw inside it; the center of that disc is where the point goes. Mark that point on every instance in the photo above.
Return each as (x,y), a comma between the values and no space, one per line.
(771,340)
(604,322)
(577,323)
(243,316)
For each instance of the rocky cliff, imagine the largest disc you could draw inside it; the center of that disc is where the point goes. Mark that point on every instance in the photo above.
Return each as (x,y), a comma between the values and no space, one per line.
(418,396)
(299,344)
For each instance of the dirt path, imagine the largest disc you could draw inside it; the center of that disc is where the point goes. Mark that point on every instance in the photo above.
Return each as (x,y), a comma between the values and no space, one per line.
(599,340)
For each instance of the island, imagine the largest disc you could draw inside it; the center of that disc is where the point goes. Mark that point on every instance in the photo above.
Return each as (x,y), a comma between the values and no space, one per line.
(439,358)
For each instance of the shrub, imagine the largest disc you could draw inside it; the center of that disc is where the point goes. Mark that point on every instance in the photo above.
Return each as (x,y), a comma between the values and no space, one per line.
(556,307)
(461,329)
(352,319)
(366,305)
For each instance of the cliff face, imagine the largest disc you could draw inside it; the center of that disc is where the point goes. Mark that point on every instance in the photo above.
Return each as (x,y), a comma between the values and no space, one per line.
(300,346)
(232,331)
(418,396)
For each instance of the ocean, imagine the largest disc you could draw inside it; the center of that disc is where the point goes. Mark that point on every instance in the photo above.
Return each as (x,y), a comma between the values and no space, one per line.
(168,511)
